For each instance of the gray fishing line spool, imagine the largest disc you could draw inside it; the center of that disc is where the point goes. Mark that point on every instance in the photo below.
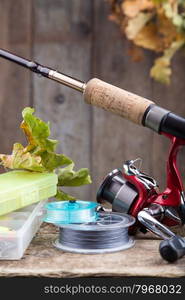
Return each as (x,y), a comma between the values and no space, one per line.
(108,234)
(84,228)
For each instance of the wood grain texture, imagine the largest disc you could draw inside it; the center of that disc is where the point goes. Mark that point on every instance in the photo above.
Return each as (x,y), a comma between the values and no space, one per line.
(62,40)
(173,98)
(115,140)
(76,37)
(42,259)
(15,36)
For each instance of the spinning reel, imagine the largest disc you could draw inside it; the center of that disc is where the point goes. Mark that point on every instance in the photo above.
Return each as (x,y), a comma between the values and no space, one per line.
(134,192)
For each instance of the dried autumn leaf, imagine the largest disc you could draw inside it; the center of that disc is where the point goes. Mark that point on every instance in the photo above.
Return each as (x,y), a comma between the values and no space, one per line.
(161,71)
(20,159)
(159,33)
(160,1)
(135,52)
(132,8)
(136,24)
(116,12)
(149,38)
(171,11)
(167,30)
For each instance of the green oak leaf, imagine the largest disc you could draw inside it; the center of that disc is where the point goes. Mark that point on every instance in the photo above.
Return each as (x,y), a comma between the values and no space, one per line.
(68,177)
(39,155)
(64,196)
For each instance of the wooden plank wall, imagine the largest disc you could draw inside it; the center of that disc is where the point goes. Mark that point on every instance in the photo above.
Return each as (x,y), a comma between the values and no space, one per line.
(77,38)
(15,83)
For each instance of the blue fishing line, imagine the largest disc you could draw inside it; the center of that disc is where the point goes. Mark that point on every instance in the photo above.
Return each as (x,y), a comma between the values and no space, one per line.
(84,230)
(71,212)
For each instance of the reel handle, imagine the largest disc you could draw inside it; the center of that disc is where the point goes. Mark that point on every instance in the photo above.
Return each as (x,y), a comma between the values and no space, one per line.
(172,249)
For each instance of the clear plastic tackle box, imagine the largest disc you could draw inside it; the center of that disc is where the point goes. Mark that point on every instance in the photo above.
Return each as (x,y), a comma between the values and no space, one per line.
(18,228)
(20,214)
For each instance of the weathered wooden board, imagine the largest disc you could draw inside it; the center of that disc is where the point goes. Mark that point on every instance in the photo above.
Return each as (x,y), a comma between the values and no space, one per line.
(116,140)
(173,98)
(42,259)
(15,82)
(62,40)
(76,37)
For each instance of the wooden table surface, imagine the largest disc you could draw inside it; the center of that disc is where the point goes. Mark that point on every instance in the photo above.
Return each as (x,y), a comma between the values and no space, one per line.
(42,259)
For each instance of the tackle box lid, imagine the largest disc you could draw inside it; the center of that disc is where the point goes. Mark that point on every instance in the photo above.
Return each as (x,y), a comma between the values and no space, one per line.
(21,188)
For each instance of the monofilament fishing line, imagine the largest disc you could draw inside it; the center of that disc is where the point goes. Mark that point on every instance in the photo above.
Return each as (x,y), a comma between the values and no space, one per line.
(108,234)
(70,212)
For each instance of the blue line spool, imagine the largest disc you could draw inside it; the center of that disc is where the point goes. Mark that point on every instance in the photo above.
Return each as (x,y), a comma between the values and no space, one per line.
(71,212)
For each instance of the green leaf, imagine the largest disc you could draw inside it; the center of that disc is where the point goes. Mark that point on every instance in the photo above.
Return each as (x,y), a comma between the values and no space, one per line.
(52,161)
(177,18)
(159,1)
(63,196)
(39,155)
(68,177)
(161,71)
(37,132)
(19,159)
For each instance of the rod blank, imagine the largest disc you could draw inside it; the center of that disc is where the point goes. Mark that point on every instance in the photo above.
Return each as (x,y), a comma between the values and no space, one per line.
(44,71)
(96,92)
(111,98)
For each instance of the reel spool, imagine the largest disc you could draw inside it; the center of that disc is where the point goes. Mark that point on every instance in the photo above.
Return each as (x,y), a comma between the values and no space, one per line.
(100,232)
(116,190)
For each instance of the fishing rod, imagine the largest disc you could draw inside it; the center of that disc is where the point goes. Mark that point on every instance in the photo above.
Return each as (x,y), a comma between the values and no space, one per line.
(130,190)
(121,102)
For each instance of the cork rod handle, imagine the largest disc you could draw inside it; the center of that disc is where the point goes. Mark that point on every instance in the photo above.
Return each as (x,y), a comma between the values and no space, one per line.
(116,100)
